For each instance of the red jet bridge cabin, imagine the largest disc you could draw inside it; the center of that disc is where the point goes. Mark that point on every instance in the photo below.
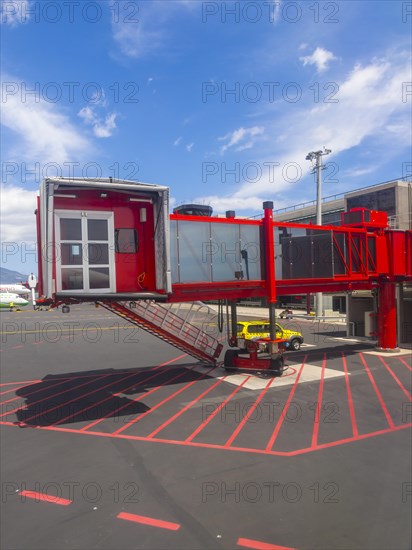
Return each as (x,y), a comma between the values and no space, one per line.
(103,237)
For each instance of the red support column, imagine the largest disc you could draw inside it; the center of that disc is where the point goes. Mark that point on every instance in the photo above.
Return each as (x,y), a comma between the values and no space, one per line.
(269,251)
(387,333)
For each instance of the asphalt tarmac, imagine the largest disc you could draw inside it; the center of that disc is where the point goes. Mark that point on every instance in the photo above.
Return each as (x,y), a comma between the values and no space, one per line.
(112,439)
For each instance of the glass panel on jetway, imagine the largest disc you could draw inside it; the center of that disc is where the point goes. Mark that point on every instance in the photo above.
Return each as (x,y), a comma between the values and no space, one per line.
(214,252)
(303,253)
(251,252)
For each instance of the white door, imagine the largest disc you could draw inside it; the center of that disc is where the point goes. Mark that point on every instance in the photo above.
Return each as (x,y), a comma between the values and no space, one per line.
(84,252)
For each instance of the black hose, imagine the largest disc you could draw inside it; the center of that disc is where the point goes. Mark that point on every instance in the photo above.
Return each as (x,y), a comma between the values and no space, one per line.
(220,319)
(245,256)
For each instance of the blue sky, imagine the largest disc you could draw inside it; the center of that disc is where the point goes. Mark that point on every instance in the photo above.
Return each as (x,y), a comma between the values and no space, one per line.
(219,100)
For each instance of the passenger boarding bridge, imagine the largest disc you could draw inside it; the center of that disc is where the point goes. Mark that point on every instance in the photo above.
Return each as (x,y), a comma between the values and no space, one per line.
(114,243)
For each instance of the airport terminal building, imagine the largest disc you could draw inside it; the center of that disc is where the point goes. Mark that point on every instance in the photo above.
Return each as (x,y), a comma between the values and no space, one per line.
(394,198)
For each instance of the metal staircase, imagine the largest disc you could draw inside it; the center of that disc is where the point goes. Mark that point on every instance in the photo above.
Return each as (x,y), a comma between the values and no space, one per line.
(174,324)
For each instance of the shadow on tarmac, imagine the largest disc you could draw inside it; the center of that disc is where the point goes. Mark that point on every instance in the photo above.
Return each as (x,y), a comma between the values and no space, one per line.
(92,395)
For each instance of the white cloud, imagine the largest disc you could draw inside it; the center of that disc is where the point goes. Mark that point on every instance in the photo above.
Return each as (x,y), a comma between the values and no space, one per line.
(44,134)
(320,58)
(189,147)
(14,12)
(87,114)
(177,141)
(102,128)
(18,225)
(244,138)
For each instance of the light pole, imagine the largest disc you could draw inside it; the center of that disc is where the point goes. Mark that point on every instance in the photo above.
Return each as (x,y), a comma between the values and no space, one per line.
(317,156)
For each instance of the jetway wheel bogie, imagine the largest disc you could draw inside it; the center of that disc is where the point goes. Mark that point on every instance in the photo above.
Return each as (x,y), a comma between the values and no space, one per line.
(277,365)
(229,358)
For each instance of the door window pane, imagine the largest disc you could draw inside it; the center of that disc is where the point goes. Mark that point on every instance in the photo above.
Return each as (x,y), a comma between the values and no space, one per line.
(98,253)
(71,254)
(99,277)
(72,279)
(70,229)
(97,230)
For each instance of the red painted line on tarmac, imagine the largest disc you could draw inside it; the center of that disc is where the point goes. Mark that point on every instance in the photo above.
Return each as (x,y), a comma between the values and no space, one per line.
(378,393)
(46,498)
(153,522)
(405,391)
(349,440)
(10,400)
(140,397)
(17,347)
(170,420)
(214,413)
(185,387)
(20,383)
(214,446)
(319,404)
(258,545)
(405,363)
(355,431)
(249,414)
(282,416)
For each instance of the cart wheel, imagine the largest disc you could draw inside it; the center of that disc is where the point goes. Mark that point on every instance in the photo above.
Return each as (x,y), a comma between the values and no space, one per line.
(65,309)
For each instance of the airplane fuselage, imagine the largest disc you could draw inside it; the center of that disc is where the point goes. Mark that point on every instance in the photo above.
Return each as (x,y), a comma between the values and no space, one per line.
(14,289)
(10,299)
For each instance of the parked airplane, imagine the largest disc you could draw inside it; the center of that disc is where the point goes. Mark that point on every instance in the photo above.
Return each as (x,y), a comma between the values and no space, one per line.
(10,299)
(14,288)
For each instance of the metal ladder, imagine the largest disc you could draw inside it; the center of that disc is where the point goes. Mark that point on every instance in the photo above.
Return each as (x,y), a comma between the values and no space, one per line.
(174,324)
